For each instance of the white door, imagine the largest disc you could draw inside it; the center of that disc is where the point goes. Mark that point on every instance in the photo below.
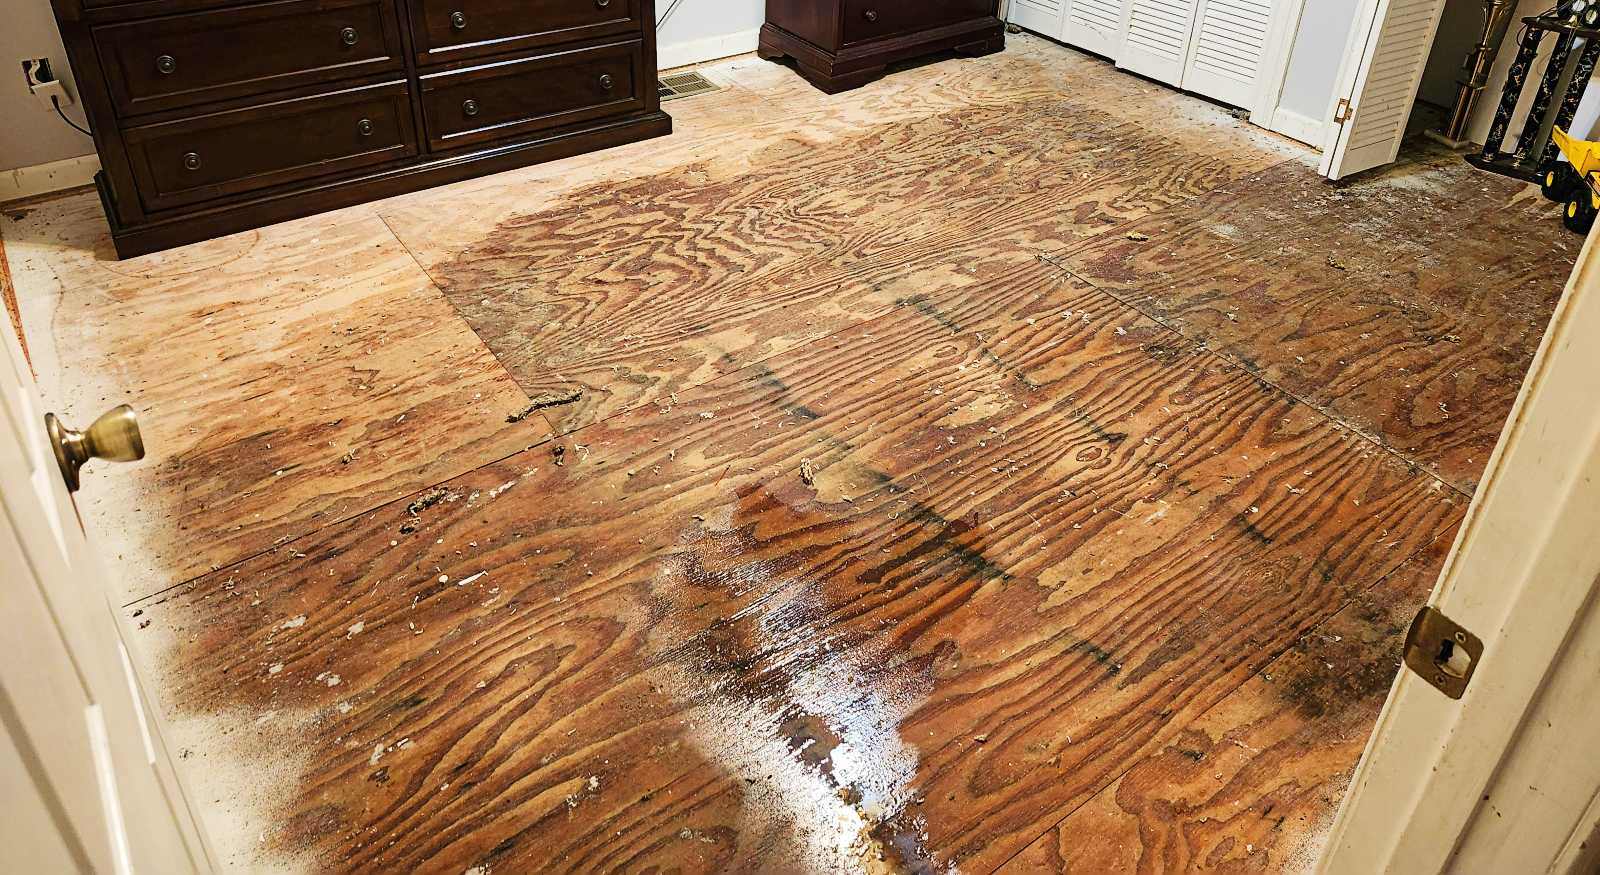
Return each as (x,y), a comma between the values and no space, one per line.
(1377,83)
(1039,16)
(88,785)
(1094,25)
(1155,38)
(1505,778)
(1230,38)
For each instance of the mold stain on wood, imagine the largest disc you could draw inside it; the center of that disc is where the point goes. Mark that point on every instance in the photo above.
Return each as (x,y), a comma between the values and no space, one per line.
(1010,464)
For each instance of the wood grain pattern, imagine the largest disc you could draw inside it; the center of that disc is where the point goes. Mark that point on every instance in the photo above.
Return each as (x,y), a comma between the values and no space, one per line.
(1253,784)
(306,376)
(1421,341)
(1032,547)
(636,289)
(766,105)
(885,534)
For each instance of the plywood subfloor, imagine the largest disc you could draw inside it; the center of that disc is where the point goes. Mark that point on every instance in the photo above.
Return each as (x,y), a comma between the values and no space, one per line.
(1011,464)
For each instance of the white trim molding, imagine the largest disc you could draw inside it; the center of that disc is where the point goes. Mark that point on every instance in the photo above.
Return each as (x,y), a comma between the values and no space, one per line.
(712,48)
(25,182)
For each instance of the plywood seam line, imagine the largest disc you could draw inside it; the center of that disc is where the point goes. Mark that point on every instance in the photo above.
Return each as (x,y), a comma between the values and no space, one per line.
(554,436)
(558,434)
(1255,372)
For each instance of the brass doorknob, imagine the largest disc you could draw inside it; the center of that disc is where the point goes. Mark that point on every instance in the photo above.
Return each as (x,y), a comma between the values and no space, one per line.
(113,437)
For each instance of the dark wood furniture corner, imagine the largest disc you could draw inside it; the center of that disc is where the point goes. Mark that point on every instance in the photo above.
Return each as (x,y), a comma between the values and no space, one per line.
(842,44)
(216,116)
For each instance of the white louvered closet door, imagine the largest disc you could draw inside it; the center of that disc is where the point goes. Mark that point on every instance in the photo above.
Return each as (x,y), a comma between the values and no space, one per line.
(1155,38)
(1039,16)
(1226,48)
(1380,84)
(1095,25)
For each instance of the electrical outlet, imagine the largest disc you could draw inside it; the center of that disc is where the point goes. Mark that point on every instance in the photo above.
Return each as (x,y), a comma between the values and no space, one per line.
(43,84)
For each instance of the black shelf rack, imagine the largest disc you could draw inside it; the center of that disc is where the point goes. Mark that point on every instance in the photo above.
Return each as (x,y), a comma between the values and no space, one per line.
(1533,145)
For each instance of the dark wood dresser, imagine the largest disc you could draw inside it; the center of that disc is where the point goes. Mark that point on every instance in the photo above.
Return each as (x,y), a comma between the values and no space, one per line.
(214,116)
(843,44)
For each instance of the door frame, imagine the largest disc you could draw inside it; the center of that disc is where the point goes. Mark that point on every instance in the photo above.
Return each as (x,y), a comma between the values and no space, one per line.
(1444,783)
(1266,112)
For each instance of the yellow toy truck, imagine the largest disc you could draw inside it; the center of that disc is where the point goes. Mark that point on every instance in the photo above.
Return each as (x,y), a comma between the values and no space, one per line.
(1575,181)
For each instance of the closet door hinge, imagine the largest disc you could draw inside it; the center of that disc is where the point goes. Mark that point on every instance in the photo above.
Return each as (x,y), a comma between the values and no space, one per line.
(1341,113)
(1442,651)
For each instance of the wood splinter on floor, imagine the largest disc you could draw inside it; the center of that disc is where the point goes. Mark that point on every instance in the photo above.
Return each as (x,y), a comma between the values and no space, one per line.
(541,402)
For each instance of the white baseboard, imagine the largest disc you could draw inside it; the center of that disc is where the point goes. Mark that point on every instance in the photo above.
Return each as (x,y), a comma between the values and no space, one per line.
(40,179)
(709,49)
(1299,127)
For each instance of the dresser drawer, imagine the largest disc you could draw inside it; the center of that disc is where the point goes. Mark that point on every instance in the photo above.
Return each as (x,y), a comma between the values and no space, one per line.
(448,29)
(871,19)
(509,98)
(243,150)
(181,60)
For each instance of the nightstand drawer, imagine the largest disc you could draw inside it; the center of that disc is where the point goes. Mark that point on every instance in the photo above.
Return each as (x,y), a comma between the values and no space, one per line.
(872,19)
(447,29)
(510,98)
(228,153)
(183,60)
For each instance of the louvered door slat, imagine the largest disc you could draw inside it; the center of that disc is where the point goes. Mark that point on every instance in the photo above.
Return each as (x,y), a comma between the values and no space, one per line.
(1226,63)
(1040,16)
(1395,51)
(1156,36)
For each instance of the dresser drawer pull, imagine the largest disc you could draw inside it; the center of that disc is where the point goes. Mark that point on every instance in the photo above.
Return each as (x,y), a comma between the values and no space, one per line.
(191,161)
(364,127)
(469,108)
(458,21)
(606,81)
(349,36)
(166,64)
(871,14)
(602,3)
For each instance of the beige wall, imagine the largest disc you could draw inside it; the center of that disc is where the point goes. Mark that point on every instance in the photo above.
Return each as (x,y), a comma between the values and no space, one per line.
(29,135)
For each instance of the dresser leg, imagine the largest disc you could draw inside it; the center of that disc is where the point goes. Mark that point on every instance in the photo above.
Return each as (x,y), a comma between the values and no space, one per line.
(833,83)
(815,65)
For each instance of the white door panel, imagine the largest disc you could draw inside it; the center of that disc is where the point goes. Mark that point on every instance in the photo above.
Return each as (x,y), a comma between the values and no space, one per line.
(1039,16)
(72,707)
(1155,39)
(1380,84)
(1229,39)
(1095,26)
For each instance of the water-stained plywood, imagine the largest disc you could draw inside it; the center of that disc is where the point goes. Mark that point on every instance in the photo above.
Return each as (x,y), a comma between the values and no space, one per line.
(285,379)
(886,530)
(731,133)
(1408,303)
(905,593)
(1254,783)
(634,290)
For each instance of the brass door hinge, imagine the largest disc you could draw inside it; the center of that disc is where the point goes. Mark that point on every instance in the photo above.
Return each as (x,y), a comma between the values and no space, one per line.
(1442,652)
(1341,113)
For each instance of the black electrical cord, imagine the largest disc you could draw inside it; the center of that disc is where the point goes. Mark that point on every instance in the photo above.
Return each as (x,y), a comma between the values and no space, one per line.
(56,102)
(668,14)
